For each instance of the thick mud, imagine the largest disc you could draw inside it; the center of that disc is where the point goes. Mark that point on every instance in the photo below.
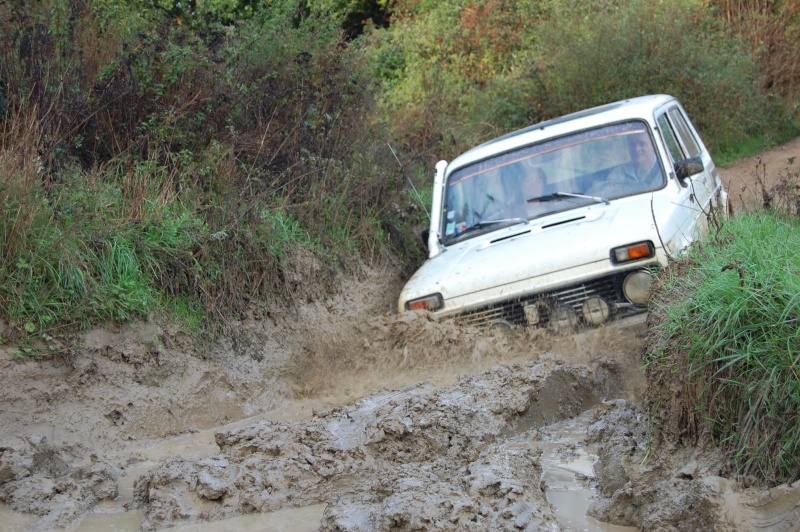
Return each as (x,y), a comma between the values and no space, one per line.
(419,458)
(340,415)
(378,403)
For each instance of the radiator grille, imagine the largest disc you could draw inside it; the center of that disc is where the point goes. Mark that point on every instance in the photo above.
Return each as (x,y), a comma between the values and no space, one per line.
(512,311)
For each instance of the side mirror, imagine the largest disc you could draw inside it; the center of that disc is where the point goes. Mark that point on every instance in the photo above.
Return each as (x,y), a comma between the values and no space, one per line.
(687,168)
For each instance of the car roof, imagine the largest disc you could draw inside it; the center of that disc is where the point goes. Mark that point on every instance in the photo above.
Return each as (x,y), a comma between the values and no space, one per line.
(641,108)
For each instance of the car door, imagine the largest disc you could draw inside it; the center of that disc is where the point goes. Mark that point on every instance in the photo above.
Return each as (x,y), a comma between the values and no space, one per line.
(697,190)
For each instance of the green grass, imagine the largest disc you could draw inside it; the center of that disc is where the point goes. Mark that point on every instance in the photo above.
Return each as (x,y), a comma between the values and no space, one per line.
(733,325)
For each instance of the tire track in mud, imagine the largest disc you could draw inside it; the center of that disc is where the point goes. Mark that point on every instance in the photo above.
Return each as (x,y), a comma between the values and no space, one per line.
(420,458)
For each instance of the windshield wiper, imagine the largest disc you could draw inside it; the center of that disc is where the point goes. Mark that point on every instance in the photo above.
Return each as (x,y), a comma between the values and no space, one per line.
(484,223)
(487,223)
(557,195)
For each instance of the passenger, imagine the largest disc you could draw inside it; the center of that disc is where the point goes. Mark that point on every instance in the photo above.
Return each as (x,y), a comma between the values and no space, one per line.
(533,186)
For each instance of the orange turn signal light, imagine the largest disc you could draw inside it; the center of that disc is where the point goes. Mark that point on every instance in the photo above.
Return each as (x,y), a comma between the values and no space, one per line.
(640,250)
(431,302)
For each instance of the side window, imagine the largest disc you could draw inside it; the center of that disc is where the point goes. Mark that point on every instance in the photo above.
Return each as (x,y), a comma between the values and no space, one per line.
(684,132)
(675,151)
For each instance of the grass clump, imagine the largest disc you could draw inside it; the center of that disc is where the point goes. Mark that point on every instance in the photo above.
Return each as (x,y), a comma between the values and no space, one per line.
(729,341)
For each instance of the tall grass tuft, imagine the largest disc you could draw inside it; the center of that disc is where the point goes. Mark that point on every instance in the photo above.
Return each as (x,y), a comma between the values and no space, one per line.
(731,334)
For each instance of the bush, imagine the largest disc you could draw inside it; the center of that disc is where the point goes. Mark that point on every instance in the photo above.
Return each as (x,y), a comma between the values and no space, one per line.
(772,29)
(191,165)
(589,55)
(531,61)
(434,59)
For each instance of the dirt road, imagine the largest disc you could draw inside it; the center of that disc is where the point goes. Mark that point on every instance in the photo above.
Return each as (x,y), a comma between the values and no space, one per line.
(770,167)
(340,415)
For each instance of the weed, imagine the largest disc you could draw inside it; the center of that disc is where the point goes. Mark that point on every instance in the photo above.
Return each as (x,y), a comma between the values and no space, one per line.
(192,168)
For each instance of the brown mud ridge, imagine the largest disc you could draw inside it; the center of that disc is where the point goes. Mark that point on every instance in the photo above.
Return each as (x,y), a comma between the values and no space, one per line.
(417,459)
(404,424)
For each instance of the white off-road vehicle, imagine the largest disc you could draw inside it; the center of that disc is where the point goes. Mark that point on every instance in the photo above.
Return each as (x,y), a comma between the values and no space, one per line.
(562,223)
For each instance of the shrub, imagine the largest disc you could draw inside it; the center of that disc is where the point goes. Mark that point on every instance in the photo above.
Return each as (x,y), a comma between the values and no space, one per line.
(435,57)
(772,29)
(454,78)
(198,166)
(589,55)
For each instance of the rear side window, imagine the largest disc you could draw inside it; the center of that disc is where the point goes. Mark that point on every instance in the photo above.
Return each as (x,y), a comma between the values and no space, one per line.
(677,135)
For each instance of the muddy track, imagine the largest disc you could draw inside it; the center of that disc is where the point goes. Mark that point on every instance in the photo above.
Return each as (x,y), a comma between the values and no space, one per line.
(417,458)
(373,421)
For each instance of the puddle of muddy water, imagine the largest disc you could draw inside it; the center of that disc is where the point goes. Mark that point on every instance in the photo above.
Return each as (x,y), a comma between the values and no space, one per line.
(112,515)
(11,521)
(296,519)
(567,471)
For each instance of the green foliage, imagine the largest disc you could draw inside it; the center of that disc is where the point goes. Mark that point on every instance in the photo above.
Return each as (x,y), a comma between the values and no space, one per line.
(772,30)
(455,73)
(633,47)
(185,164)
(733,326)
(194,13)
(436,59)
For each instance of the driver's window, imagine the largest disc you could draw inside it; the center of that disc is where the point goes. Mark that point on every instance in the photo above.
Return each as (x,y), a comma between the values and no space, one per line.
(682,129)
(675,151)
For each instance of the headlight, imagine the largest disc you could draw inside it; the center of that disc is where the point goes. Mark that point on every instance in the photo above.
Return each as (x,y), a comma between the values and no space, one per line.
(636,287)
(639,250)
(431,302)
(563,319)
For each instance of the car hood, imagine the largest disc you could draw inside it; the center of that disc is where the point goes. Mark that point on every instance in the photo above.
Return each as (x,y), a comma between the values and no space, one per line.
(544,246)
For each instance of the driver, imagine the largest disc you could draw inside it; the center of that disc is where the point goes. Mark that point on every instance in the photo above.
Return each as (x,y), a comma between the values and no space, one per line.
(643,167)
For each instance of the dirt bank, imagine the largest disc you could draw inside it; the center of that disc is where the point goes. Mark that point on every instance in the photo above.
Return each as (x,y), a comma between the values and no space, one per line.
(397,422)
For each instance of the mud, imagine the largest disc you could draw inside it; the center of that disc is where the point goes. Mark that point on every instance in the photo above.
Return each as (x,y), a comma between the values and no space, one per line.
(418,458)
(337,414)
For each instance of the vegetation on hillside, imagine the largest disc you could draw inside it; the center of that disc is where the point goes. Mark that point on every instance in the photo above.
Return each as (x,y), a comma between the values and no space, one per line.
(458,72)
(148,162)
(201,157)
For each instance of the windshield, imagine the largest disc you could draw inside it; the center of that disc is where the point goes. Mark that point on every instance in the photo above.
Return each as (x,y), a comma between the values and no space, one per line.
(557,175)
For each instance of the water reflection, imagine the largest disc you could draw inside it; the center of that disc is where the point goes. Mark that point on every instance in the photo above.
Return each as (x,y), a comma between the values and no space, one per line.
(567,471)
